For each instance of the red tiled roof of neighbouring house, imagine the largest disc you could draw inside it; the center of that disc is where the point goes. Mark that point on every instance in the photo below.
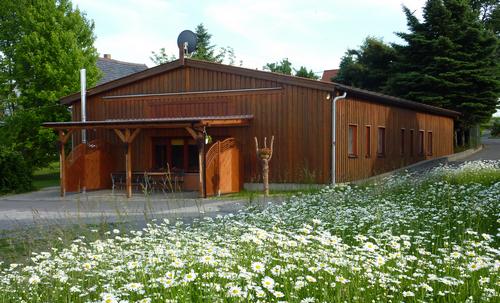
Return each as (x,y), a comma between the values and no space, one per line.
(328,74)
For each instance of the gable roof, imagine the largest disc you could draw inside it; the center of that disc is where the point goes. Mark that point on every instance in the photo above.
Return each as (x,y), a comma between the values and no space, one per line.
(265,75)
(114,69)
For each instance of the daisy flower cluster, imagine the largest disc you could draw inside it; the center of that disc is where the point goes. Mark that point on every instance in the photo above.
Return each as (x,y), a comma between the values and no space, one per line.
(407,239)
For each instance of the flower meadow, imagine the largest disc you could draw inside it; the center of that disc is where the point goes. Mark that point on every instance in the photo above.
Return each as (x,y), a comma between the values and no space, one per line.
(431,237)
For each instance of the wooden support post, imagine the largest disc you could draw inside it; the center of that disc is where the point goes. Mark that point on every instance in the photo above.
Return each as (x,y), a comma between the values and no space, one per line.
(62,166)
(128,163)
(200,143)
(203,175)
(127,138)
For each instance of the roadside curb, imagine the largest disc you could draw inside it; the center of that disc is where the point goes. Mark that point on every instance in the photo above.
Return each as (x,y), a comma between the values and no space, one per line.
(422,164)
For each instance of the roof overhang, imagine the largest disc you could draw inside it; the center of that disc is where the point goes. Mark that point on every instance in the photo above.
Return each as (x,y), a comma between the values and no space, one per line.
(180,122)
(395,101)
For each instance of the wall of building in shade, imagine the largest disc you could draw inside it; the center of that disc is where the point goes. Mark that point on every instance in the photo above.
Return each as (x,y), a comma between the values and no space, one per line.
(298,116)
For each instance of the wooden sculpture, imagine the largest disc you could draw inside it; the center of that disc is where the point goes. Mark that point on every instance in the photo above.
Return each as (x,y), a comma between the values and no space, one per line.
(265,154)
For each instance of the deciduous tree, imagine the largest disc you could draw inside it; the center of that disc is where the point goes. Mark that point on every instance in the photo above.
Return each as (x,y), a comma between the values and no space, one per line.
(285,67)
(367,67)
(43,45)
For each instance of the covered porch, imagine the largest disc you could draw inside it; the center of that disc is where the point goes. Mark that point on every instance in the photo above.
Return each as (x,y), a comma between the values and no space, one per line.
(95,171)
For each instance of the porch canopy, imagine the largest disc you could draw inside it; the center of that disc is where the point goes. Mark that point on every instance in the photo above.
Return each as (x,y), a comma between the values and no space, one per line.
(128,129)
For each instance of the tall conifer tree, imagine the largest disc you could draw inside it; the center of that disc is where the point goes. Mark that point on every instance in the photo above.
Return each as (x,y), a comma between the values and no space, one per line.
(449,60)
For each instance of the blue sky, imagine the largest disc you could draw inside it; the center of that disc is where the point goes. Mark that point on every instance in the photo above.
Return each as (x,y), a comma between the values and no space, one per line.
(311,33)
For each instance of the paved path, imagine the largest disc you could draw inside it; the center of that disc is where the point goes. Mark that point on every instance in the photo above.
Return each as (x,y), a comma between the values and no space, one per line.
(490,151)
(45,207)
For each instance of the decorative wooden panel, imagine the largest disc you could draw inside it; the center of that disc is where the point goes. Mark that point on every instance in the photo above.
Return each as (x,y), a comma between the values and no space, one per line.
(88,166)
(223,168)
(191,108)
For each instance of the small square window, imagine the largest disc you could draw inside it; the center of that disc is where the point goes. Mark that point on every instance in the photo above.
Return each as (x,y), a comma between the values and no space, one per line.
(352,149)
(368,141)
(421,139)
(429,143)
(381,142)
(403,147)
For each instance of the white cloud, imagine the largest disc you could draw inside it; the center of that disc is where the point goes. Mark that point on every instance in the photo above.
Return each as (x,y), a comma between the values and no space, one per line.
(311,33)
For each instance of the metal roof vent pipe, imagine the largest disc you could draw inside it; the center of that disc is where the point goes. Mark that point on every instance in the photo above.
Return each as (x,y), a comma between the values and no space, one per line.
(83,103)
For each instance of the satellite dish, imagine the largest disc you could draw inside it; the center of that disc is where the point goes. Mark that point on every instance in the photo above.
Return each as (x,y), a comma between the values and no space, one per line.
(187,36)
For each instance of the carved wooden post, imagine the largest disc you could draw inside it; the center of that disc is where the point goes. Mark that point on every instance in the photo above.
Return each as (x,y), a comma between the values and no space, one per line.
(265,154)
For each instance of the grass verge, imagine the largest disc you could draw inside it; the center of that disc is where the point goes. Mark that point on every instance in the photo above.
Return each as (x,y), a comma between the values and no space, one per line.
(46,177)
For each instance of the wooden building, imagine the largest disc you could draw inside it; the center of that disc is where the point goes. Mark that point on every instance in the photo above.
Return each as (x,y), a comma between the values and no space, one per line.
(163,115)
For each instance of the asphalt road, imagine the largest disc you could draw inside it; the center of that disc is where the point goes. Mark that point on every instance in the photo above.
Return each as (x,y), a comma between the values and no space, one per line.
(490,151)
(45,207)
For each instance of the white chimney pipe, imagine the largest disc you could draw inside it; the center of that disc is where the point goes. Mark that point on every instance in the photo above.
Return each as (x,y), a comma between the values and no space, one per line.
(83,103)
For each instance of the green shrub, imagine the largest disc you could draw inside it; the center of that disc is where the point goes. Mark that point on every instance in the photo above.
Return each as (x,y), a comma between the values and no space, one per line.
(15,173)
(495,128)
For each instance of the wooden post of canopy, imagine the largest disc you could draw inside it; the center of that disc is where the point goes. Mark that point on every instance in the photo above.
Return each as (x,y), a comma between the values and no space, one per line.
(200,142)
(63,139)
(128,137)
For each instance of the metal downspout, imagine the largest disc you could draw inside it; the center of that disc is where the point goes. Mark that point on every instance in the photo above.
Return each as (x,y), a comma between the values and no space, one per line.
(334,134)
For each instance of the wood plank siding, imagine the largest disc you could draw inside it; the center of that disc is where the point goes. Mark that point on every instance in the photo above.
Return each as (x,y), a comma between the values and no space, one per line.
(399,151)
(297,113)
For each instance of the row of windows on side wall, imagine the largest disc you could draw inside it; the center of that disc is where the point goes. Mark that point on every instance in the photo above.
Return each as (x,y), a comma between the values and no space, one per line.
(353,146)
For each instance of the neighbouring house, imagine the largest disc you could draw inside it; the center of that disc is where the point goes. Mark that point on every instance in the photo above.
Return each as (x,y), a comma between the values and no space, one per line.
(199,119)
(114,69)
(328,74)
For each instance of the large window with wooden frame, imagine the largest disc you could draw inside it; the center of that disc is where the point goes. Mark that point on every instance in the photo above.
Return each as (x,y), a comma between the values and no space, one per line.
(402,141)
(352,137)
(175,153)
(381,142)
(412,139)
(421,135)
(429,143)
(368,141)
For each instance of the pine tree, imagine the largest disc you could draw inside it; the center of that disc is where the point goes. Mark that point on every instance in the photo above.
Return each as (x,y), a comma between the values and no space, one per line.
(204,47)
(449,60)
(205,50)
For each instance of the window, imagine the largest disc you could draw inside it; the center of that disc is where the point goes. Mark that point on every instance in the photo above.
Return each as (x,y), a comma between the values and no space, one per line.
(412,151)
(381,142)
(177,153)
(352,149)
(421,134)
(429,143)
(160,155)
(368,141)
(402,141)
(193,160)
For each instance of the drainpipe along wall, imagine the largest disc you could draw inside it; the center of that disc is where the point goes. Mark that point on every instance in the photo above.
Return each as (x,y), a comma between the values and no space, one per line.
(334,134)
